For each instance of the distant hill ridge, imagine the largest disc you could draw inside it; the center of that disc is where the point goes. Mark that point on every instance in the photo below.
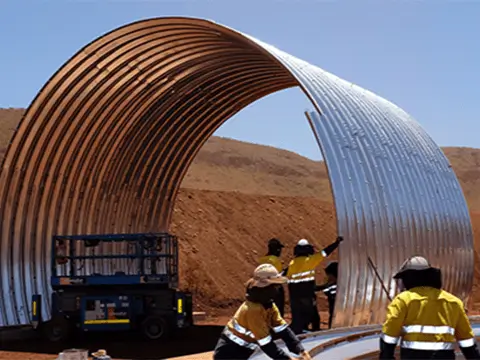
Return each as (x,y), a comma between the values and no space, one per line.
(232,165)
(277,193)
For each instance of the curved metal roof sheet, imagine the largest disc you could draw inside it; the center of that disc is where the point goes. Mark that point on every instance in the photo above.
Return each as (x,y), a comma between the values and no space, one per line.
(104,147)
(353,343)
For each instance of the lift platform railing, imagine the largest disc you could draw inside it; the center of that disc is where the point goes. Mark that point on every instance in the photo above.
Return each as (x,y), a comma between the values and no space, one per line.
(120,259)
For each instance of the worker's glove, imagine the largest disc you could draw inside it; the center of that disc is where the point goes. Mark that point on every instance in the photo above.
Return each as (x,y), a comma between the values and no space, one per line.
(339,239)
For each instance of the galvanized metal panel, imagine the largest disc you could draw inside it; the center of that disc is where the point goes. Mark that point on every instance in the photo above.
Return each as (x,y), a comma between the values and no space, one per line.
(344,348)
(314,340)
(395,193)
(105,144)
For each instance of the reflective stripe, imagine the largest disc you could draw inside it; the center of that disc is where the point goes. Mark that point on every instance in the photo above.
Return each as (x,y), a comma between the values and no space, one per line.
(239,341)
(305,273)
(331,289)
(242,330)
(264,341)
(389,339)
(301,280)
(427,329)
(324,254)
(426,345)
(330,292)
(280,328)
(466,343)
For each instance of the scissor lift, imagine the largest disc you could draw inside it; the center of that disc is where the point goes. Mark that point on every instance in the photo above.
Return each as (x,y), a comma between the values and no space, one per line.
(117,282)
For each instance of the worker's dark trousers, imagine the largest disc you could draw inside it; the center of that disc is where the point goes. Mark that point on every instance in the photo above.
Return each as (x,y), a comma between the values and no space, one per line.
(315,321)
(226,349)
(303,310)
(408,354)
(280,300)
(331,310)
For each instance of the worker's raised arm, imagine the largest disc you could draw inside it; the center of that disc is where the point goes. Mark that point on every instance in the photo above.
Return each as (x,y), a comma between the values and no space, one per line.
(465,336)
(392,328)
(318,257)
(332,247)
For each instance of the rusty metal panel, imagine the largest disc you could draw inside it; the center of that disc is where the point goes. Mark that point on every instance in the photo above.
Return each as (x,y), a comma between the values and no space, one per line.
(105,144)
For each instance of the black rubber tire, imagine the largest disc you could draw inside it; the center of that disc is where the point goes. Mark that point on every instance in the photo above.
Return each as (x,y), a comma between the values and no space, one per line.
(57,330)
(155,327)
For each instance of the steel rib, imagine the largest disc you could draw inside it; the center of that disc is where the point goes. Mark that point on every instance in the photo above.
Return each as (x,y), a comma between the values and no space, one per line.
(105,145)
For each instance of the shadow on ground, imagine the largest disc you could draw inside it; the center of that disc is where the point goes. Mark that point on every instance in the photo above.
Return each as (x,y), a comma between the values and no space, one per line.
(122,346)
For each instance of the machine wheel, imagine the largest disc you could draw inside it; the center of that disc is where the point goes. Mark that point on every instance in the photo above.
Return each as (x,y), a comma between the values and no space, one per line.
(155,327)
(57,329)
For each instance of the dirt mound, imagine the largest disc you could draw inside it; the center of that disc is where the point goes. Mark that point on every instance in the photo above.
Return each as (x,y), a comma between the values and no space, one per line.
(466,163)
(237,195)
(231,165)
(222,235)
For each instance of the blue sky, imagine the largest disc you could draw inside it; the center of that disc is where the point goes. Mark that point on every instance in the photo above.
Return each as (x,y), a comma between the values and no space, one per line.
(422,55)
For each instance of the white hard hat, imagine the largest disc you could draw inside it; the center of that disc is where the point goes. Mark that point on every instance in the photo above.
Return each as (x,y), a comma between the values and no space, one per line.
(303,242)
(413,263)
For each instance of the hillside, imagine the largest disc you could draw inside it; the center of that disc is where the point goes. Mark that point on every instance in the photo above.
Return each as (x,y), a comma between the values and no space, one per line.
(219,247)
(236,195)
(231,165)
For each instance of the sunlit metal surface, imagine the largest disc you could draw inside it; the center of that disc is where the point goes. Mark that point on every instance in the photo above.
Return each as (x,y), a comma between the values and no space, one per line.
(104,147)
(359,348)
(314,340)
(362,346)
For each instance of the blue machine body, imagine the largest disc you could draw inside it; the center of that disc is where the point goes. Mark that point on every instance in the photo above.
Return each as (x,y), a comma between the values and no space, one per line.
(114,282)
(100,313)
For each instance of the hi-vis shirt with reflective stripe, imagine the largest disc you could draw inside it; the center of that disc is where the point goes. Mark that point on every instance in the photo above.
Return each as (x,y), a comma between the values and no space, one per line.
(425,318)
(302,268)
(330,291)
(252,324)
(273,260)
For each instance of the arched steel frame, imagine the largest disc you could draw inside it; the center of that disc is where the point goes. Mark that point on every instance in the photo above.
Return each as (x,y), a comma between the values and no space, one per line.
(106,143)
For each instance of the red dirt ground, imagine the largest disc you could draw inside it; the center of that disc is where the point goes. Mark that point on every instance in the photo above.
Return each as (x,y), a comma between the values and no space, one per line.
(238,195)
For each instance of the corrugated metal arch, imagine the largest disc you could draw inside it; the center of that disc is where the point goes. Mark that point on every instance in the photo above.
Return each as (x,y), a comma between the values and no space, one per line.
(105,145)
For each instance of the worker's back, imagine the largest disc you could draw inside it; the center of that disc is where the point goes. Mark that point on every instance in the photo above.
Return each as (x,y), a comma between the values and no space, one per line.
(427,304)
(301,274)
(253,322)
(427,319)
(426,315)
(273,260)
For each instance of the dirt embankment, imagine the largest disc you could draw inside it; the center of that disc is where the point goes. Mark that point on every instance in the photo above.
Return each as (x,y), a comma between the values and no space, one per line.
(222,235)
(237,195)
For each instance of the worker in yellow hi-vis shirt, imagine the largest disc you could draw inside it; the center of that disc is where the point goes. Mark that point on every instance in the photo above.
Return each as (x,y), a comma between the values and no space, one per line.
(301,284)
(427,319)
(256,320)
(273,257)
